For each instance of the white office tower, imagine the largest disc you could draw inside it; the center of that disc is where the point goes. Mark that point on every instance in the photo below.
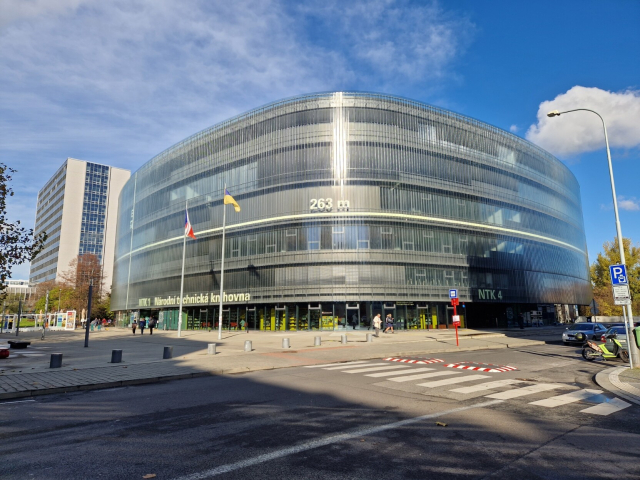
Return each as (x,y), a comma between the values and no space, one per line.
(78,209)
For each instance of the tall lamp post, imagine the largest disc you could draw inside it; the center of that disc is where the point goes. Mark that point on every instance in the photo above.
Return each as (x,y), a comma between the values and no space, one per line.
(634,353)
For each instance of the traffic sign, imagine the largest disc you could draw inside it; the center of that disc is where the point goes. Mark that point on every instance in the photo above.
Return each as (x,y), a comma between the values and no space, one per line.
(456,319)
(455,301)
(618,275)
(621,295)
(453,293)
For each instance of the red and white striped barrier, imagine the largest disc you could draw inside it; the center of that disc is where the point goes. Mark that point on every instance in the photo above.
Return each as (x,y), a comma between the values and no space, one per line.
(490,368)
(410,360)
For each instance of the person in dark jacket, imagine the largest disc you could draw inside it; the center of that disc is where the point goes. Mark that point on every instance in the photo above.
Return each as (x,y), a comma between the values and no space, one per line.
(152,324)
(141,324)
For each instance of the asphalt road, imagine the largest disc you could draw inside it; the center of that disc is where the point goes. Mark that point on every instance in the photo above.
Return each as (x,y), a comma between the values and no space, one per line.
(328,422)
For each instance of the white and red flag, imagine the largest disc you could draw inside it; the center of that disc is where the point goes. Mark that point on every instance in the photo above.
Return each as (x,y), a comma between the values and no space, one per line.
(188,229)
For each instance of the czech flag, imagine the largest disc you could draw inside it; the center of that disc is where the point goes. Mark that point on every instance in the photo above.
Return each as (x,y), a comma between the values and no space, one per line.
(188,229)
(229,200)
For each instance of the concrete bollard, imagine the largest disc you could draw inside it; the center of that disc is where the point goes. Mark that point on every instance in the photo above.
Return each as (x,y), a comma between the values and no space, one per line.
(211,349)
(56,360)
(116,356)
(247,346)
(167,353)
(369,337)
(285,343)
(317,341)
(344,340)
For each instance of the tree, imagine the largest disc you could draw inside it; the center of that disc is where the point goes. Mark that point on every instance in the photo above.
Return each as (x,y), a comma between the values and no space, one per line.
(601,279)
(81,272)
(17,244)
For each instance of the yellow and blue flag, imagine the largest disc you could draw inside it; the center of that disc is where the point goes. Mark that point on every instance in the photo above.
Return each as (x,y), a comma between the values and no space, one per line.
(229,200)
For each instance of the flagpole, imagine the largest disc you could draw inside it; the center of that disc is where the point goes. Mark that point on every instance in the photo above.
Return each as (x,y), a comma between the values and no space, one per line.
(184,251)
(224,221)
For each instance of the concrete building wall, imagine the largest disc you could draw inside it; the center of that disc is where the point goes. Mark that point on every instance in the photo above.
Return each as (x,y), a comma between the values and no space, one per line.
(117,179)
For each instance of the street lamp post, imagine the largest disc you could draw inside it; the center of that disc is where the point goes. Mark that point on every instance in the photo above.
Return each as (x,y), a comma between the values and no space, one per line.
(634,353)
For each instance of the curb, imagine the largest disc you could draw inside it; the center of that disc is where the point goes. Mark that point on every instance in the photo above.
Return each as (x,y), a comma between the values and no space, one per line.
(235,371)
(608,379)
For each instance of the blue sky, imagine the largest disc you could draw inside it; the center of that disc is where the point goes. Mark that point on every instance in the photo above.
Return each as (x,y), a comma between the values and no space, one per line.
(118,82)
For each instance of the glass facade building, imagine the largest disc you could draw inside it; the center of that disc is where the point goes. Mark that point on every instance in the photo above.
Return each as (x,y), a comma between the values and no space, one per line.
(352,204)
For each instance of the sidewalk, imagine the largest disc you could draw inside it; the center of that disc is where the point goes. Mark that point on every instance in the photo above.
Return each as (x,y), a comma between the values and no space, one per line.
(621,381)
(26,372)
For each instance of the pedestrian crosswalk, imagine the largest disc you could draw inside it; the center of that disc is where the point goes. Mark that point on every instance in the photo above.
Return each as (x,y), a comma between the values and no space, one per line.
(431,380)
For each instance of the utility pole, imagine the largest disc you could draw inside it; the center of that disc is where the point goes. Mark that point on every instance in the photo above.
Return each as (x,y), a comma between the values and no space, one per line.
(19,315)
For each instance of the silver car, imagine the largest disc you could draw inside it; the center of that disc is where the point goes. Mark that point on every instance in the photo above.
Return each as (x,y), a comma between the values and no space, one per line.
(620,333)
(592,331)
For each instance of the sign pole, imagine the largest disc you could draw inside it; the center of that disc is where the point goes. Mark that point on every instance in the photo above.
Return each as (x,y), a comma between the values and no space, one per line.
(455,325)
(184,251)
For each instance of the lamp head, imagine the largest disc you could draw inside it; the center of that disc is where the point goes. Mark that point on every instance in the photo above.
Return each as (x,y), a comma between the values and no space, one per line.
(553,113)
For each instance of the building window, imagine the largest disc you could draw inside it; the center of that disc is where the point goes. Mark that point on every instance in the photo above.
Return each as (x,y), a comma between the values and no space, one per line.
(363,238)
(291,235)
(313,238)
(338,240)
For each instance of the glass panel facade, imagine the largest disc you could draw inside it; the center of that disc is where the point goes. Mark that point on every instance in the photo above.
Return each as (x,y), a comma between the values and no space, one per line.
(351,198)
(94,210)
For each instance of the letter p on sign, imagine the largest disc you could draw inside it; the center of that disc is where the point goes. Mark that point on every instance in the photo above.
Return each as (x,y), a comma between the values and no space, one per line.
(618,275)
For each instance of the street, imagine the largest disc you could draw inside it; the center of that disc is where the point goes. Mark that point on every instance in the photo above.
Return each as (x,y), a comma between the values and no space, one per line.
(408,417)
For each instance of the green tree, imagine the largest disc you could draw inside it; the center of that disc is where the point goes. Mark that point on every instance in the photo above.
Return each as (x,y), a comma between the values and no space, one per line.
(60,298)
(17,244)
(601,279)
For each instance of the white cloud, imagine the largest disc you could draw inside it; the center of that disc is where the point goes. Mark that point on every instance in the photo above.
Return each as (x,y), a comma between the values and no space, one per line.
(580,132)
(631,203)
(15,10)
(513,129)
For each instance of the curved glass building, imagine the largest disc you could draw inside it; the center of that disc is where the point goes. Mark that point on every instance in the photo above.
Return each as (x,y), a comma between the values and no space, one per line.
(352,204)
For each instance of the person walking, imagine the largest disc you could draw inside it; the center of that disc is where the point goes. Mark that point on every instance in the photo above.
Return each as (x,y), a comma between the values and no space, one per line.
(388,323)
(152,325)
(133,326)
(377,323)
(354,320)
(141,324)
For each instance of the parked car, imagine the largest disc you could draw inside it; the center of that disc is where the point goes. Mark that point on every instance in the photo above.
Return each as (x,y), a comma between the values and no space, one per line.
(621,335)
(592,331)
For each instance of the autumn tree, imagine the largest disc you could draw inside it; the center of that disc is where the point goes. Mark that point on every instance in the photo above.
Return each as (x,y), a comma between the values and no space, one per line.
(83,270)
(17,244)
(601,279)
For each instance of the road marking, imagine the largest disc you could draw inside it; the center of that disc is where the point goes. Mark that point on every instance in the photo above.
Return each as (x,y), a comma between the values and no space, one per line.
(450,381)
(521,392)
(486,386)
(342,367)
(607,408)
(403,372)
(324,441)
(422,375)
(373,369)
(411,360)
(565,399)
(16,401)
(334,364)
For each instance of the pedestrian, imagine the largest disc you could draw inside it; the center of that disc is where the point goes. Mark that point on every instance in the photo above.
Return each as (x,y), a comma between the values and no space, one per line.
(141,324)
(354,320)
(388,324)
(133,326)
(377,323)
(152,325)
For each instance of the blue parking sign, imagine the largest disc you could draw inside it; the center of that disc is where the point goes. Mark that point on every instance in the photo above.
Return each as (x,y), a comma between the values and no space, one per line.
(618,275)
(453,293)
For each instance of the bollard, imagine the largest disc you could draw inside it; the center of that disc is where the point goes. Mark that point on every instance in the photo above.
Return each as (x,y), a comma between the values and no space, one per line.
(211,349)
(56,360)
(369,337)
(116,356)
(247,346)
(344,340)
(317,341)
(285,343)
(167,353)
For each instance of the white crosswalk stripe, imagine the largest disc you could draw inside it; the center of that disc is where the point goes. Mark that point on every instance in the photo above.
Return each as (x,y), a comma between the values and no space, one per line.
(373,369)
(342,367)
(333,364)
(521,392)
(422,375)
(451,381)
(407,370)
(571,397)
(486,386)
(607,408)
